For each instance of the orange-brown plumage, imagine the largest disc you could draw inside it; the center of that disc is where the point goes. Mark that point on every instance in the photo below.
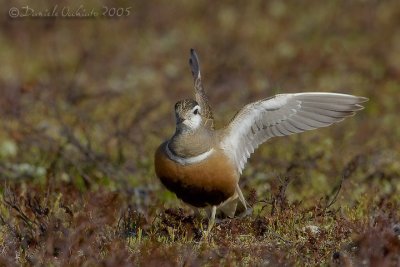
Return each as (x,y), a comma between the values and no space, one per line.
(209,182)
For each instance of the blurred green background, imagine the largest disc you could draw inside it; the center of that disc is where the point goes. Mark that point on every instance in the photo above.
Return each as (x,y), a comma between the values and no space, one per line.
(111,83)
(86,101)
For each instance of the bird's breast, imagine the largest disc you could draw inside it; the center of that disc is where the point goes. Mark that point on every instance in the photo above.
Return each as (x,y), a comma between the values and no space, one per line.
(209,181)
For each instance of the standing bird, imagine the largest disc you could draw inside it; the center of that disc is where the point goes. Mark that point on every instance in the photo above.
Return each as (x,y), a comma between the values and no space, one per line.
(202,165)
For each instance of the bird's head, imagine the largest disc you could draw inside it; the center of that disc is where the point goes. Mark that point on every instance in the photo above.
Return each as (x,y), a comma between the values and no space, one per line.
(187,114)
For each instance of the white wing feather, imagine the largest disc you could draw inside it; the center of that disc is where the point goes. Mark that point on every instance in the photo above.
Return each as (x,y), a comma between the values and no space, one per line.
(281,115)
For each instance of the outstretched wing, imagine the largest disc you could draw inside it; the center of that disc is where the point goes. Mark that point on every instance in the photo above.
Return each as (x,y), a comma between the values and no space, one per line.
(201,97)
(281,115)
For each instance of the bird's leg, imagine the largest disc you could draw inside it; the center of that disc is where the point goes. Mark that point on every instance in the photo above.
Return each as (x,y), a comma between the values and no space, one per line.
(211,221)
(241,197)
(247,211)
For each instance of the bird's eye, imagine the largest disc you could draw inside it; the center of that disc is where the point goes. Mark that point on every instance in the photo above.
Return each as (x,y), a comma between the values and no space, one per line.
(196,111)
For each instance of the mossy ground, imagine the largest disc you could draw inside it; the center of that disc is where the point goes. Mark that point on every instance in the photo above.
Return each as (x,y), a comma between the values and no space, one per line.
(85,102)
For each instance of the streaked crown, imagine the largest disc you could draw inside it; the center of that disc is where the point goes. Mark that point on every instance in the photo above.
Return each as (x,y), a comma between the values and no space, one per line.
(187,111)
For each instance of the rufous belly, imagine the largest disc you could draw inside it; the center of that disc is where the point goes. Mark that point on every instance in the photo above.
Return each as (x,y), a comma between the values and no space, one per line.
(208,182)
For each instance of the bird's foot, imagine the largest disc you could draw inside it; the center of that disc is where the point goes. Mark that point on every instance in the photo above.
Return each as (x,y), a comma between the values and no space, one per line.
(245,213)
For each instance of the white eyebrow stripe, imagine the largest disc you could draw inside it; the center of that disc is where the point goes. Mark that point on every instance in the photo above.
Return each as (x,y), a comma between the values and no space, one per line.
(186,161)
(196,107)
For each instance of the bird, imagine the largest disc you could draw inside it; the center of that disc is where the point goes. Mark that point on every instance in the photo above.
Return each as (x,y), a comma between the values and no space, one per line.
(202,165)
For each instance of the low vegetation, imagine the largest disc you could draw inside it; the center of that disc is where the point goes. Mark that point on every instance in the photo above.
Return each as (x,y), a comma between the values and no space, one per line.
(85,102)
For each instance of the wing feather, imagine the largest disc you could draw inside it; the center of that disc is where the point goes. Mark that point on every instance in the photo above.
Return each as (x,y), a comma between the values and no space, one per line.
(282,115)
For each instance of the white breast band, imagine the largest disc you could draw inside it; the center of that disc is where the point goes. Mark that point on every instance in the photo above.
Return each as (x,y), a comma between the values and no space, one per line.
(186,161)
